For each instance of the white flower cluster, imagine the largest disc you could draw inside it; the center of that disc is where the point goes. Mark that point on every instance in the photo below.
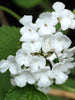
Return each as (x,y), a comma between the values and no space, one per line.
(45,56)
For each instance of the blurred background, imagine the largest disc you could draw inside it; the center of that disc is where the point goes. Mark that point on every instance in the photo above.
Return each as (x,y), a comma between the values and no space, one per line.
(31,7)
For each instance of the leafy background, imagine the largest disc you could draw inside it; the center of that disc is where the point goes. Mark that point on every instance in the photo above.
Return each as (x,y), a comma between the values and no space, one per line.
(9,35)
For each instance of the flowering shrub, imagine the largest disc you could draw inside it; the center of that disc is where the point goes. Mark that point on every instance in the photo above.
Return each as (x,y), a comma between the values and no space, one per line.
(45,56)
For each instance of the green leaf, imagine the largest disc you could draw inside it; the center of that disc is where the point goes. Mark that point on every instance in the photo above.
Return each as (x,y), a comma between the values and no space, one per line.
(4,84)
(9,37)
(27,3)
(73,72)
(70,82)
(9,40)
(29,92)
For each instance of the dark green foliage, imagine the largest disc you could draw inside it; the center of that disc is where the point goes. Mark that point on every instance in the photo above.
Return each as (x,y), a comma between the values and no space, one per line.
(29,92)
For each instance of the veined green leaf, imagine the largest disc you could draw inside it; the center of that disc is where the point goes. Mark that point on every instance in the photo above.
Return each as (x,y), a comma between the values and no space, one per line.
(29,92)
(9,40)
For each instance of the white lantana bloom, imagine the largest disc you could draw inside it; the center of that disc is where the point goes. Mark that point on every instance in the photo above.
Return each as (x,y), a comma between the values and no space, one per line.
(45,55)
(4,66)
(64,16)
(23,59)
(29,33)
(60,41)
(73,24)
(32,47)
(56,42)
(14,68)
(43,77)
(46,23)
(69,64)
(62,68)
(45,31)
(58,5)
(58,75)
(38,62)
(24,78)
(67,53)
(26,19)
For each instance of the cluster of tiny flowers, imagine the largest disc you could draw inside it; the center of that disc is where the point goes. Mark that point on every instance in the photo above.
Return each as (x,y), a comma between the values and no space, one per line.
(45,56)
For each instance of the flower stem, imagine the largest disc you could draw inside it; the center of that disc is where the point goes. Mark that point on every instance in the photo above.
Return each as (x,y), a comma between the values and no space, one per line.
(67,88)
(10,12)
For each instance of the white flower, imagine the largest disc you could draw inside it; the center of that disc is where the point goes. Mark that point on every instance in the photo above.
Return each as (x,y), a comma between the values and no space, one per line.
(64,16)
(57,74)
(23,58)
(70,52)
(59,77)
(45,31)
(60,70)
(73,24)
(14,68)
(56,42)
(58,6)
(46,18)
(46,23)
(67,18)
(29,33)
(67,65)
(24,78)
(32,47)
(47,45)
(60,42)
(4,66)
(38,62)
(43,77)
(44,81)
(26,19)
(67,53)
(29,29)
